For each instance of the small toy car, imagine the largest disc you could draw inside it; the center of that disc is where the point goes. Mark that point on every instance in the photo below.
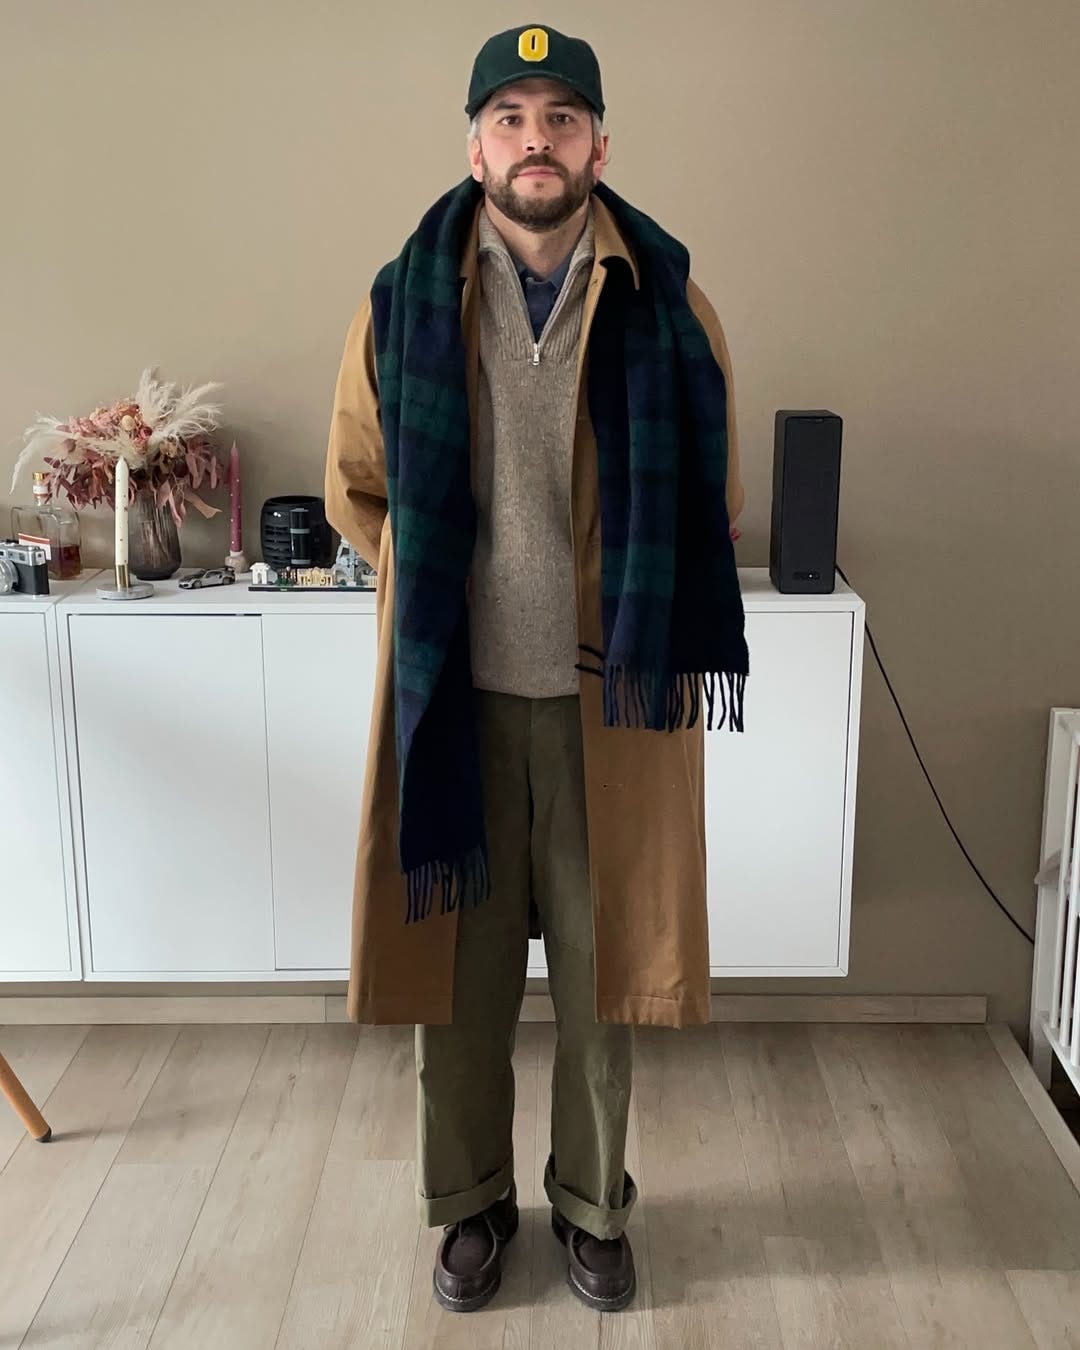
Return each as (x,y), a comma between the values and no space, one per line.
(208,576)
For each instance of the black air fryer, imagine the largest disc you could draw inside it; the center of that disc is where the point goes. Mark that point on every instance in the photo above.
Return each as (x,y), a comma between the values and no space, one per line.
(295,533)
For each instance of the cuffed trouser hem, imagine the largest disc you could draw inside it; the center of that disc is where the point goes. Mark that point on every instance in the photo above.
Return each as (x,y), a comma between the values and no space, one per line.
(595,1219)
(436,1210)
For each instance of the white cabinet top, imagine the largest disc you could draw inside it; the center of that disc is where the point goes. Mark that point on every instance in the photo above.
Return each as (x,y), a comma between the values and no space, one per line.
(236,598)
(758,592)
(761,596)
(17,603)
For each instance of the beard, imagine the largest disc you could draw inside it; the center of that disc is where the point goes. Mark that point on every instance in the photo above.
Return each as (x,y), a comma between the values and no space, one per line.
(539,214)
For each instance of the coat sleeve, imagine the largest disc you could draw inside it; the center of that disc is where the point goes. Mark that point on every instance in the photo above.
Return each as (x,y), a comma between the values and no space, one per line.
(355,488)
(707,317)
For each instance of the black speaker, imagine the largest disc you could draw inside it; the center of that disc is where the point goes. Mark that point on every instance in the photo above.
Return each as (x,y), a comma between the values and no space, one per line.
(805,502)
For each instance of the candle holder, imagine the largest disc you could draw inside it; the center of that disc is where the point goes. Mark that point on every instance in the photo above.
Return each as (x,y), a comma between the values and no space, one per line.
(238,563)
(124,588)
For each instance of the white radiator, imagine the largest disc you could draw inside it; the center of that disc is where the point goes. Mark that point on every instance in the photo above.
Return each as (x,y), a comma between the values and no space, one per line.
(1055,987)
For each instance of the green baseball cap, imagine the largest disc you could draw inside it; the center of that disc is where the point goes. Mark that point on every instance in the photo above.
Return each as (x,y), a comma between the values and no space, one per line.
(525,53)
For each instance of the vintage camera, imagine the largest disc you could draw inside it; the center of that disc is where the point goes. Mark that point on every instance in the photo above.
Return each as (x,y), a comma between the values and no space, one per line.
(23,568)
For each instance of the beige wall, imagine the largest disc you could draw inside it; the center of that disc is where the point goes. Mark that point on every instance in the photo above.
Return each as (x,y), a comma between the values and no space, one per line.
(881,200)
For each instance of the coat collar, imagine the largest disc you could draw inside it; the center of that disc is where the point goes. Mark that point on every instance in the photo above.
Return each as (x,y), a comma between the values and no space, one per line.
(609,243)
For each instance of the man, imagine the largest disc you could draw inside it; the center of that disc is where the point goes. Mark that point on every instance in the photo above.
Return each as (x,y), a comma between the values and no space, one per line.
(533,442)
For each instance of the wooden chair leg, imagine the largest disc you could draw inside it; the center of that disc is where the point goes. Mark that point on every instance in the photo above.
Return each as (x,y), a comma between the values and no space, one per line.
(25,1109)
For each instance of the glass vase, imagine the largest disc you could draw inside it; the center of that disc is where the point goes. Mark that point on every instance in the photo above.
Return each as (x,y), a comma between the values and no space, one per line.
(153,542)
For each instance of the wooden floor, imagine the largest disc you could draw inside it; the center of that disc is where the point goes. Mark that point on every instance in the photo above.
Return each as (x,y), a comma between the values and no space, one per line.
(801,1187)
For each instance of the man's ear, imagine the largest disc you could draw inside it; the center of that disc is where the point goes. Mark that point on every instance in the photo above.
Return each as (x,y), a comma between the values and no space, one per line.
(600,154)
(476,159)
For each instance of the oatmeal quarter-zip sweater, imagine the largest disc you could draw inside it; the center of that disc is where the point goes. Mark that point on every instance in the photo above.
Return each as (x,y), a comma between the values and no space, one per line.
(523,611)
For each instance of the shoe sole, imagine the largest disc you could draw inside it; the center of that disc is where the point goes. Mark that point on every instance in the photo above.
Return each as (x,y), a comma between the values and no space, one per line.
(475,1301)
(614,1304)
(465,1305)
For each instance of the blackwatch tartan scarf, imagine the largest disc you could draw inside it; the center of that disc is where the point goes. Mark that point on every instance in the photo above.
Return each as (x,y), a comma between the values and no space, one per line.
(673,621)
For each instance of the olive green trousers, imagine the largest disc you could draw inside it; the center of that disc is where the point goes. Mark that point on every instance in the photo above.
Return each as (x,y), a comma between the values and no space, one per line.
(534,794)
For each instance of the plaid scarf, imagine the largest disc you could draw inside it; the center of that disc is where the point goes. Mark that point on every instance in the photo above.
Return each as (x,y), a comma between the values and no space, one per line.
(673,622)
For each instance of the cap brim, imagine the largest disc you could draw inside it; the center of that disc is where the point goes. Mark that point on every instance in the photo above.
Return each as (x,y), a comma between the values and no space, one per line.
(471,109)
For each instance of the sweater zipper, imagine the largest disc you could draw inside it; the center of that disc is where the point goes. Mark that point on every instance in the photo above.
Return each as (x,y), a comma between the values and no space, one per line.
(538,342)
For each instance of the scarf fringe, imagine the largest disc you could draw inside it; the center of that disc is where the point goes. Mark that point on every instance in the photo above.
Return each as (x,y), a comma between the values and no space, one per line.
(670,703)
(458,883)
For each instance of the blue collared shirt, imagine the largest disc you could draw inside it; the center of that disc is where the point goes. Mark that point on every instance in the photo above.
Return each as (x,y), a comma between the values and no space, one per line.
(542,292)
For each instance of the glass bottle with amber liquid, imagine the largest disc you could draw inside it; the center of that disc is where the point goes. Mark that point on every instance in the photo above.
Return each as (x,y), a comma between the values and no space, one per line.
(53,527)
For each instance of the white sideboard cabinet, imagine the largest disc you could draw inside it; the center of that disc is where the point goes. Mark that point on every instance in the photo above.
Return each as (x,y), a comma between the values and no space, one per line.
(320,681)
(171,777)
(189,770)
(38,919)
(779,800)
(221,737)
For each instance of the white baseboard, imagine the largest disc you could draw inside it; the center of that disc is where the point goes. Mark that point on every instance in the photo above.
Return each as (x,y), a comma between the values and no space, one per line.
(35,1010)
(110,1009)
(1060,1137)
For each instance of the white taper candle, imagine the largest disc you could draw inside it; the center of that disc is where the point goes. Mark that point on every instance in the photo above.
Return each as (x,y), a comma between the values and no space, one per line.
(121,512)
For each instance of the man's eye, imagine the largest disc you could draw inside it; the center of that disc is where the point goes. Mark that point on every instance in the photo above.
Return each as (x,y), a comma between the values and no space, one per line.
(510,117)
(563,118)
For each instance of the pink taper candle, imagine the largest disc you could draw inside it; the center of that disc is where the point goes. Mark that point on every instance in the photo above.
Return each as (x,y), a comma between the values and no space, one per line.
(234,499)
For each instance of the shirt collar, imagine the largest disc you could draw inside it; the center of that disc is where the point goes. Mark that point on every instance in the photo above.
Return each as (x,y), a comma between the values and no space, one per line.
(490,240)
(609,243)
(555,278)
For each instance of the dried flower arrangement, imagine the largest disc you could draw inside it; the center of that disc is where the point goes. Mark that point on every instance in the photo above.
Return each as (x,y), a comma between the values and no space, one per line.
(163,432)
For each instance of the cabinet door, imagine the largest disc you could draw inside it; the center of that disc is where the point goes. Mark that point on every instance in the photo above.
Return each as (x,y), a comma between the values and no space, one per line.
(172,776)
(775,800)
(34,938)
(320,681)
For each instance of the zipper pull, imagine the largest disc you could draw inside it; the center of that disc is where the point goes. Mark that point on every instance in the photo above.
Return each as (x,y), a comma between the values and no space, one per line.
(536,354)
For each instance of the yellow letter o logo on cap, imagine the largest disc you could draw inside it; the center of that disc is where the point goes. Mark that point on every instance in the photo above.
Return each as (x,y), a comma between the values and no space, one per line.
(533,45)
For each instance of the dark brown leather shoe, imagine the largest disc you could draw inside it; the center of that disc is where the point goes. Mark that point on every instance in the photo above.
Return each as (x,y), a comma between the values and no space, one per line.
(601,1273)
(468,1265)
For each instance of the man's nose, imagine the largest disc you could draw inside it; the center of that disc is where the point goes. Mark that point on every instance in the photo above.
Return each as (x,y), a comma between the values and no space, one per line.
(537,139)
